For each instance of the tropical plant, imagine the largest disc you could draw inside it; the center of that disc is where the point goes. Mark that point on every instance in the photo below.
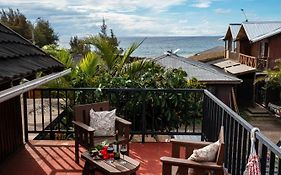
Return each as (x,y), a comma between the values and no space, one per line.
(113,61)
(78,46)
(85,70)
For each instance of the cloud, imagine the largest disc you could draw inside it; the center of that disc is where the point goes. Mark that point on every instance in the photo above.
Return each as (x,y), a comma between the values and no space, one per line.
(125,17)
(222,11)
(202,3)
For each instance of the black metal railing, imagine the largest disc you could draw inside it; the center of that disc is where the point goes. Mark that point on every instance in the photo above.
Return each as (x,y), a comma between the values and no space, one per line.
(48,112)
(237,138)
(155,111)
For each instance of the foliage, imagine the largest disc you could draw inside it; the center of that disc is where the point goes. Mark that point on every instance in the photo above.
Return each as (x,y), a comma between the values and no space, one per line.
(61,54)
(106,67)
(65,58)
(112,39)
(85,70)
(44,34)
(15,20)
(272,79)
(78,46)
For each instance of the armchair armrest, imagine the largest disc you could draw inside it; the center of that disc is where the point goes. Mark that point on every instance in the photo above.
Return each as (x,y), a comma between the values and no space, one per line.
(123,126)
(83,126)
(123,121)
(170,161)
(187,143)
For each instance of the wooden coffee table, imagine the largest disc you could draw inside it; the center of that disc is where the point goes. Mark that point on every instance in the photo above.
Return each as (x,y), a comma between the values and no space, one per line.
(106,167)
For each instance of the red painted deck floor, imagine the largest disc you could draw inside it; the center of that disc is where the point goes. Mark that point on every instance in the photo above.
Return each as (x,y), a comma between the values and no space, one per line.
(57,158)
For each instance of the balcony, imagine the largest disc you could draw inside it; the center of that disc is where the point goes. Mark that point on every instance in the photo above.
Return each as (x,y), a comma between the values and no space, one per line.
(160,113)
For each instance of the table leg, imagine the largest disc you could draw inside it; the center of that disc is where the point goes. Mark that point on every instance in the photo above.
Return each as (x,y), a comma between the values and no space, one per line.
(86,169)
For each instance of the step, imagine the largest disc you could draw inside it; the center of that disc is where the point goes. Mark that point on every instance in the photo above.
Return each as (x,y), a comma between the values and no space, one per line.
(248,113)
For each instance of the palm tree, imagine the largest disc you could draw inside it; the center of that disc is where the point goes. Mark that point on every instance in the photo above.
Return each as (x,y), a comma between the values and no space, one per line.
(111,57)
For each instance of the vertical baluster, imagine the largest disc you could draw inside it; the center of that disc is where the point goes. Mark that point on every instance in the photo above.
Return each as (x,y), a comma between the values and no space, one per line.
(74,96)
(25,116)
(239,142)
(226,133)
(42,110)
(272,163)
(143,117)
(152,94)
(34,109)
(279,166)
(234,152)
(58,106)
(263,159)
(215,121)
(51,117)
(244,150)
(205,105)
(66,107)
(194,117)
(230,136)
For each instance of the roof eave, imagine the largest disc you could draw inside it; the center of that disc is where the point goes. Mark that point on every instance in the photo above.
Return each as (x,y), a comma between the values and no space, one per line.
(19,89)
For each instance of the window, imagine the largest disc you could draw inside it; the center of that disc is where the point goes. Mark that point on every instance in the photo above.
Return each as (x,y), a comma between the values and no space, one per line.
(264,49)
(234,46)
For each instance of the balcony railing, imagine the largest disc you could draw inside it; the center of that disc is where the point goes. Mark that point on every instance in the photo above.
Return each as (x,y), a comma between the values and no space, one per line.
(153,111)
(248,60)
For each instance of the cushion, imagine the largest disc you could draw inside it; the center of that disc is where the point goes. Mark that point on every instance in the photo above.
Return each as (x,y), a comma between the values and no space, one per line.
(205,154)
(103,122)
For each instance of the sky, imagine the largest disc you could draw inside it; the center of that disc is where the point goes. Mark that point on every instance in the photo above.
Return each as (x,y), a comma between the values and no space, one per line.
(144,17)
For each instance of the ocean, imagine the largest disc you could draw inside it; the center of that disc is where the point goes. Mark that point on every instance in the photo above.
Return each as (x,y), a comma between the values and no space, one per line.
(155,46)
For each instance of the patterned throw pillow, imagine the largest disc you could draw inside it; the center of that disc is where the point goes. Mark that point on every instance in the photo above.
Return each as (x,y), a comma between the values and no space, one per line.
(103,122)
(205,154)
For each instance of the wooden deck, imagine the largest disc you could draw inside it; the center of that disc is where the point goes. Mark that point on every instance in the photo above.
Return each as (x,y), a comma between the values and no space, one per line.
(57,158)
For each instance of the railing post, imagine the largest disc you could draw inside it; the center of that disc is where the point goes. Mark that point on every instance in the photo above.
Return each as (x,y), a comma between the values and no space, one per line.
(204,116)
(25,125)
(143,118)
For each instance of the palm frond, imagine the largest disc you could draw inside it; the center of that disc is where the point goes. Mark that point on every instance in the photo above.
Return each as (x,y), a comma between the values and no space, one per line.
(107,52)
(65,58)
(88,65)
(129,51)
(134,69)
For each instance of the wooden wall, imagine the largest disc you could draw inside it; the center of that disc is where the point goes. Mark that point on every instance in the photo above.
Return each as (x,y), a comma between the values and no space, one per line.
(274,49)
(11,134)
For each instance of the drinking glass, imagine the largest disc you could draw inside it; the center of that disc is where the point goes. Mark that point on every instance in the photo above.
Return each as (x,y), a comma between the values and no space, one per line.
(123,151)
(110,153)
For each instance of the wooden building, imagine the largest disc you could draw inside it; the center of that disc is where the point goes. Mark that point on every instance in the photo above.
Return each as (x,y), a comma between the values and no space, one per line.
(221,84)
(19,59)
(256,44)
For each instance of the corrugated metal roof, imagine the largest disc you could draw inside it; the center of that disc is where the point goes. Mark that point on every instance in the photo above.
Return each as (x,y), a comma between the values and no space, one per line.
(19,57)
(256,31)
(234,28)
(201,71)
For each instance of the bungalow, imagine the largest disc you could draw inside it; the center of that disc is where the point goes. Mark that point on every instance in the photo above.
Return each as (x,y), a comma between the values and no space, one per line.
(256,44)
(221,84)
(19,59)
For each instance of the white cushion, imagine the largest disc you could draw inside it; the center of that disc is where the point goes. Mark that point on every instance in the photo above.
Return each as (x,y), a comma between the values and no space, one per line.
(205,154)
(103,122)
